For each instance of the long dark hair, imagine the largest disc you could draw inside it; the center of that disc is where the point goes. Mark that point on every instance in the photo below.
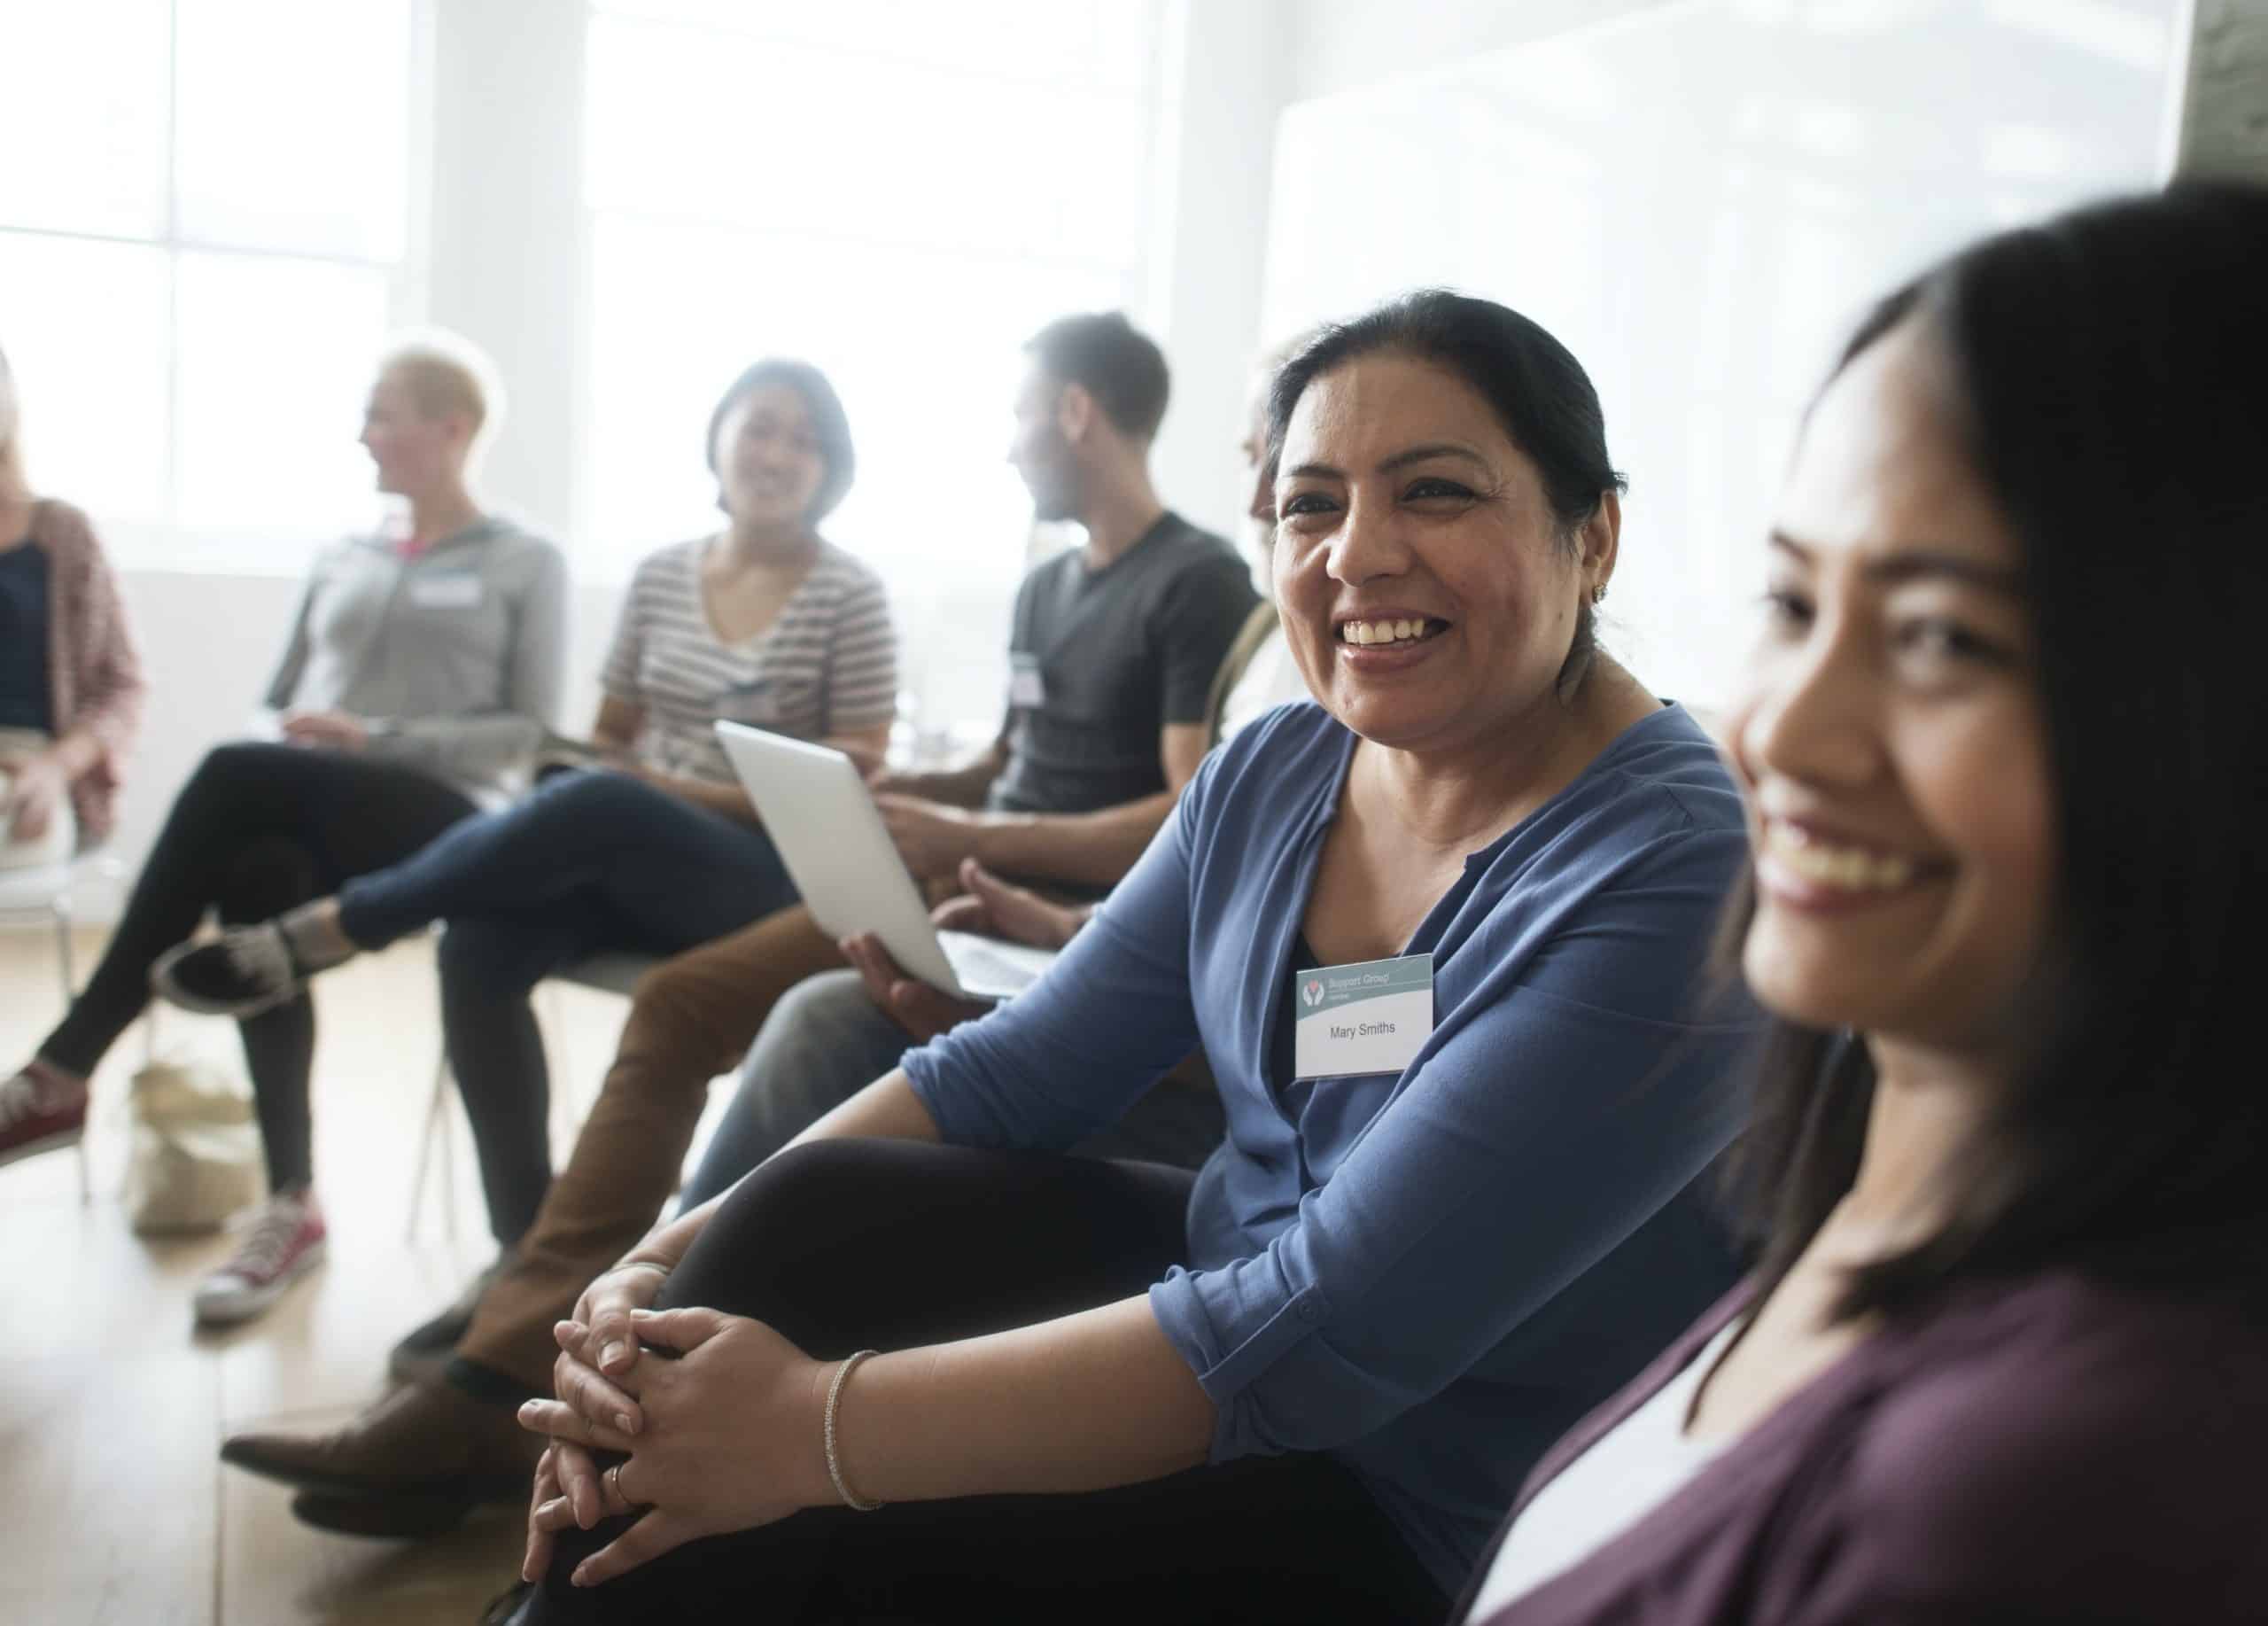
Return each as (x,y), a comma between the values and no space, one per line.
(2110,374)
(1543,397)
(829,423)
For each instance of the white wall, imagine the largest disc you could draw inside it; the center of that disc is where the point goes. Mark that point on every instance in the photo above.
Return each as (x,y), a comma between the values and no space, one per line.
(1698,198)
(1342,45)
(1229,78)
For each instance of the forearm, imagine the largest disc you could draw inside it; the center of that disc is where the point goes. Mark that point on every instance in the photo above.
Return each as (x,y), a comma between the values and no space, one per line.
(1084,1403)
(966,786)
(1095,848)
(473,744)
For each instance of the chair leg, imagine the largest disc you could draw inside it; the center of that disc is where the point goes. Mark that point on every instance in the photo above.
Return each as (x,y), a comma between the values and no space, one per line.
(436,1130)
(67,974)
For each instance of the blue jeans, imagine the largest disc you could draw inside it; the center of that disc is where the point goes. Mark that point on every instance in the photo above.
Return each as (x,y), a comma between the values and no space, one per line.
(826,1039)
(587,861)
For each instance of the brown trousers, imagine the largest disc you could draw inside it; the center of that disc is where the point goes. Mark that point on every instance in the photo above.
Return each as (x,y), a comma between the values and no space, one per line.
(691,1018)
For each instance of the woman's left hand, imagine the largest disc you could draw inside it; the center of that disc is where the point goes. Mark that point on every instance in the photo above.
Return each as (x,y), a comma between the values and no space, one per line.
(730,1438)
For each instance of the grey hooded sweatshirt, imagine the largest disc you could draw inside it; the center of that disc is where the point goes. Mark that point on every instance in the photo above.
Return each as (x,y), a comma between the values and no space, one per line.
(452,655)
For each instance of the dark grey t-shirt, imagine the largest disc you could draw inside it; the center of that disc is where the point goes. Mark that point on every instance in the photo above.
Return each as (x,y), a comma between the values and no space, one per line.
(1105,659)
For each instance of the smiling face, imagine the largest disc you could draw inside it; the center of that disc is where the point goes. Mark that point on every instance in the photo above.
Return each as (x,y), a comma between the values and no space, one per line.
(769,462)
(1892,741)
(1427,595)
(415,451)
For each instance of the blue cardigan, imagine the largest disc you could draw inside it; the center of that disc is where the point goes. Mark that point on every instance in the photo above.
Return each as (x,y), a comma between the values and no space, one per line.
(1430,1274)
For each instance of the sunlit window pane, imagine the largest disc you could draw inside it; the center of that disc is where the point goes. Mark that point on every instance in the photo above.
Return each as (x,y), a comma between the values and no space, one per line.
(927,379)
(276,358)
(1039,40)
(83,115)
(293,125)
(84,327)
(723,126)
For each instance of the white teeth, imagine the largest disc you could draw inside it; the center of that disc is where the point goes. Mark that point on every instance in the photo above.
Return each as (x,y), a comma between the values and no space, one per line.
(1381,632)
(1849,868)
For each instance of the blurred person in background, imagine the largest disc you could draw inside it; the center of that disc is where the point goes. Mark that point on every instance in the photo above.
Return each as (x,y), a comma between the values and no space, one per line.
(71,694)
(836,1031)
(418,676)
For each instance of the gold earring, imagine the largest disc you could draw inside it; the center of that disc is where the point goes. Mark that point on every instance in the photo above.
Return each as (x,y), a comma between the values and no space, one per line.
(1598,593)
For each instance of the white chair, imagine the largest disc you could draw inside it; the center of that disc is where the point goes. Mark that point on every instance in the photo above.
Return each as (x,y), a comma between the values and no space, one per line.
(608,972)
(50,892)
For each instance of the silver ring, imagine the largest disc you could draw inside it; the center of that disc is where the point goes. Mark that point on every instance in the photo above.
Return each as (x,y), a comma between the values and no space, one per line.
(615,1474)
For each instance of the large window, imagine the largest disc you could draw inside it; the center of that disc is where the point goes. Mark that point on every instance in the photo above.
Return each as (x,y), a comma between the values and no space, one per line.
(203,224)
(897,190)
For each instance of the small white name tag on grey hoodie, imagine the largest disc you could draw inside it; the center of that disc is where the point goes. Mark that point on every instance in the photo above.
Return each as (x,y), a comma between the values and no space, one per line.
(444,590)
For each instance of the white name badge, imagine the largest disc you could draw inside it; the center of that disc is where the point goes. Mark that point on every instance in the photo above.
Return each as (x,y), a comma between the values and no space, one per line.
(1026,687)
(1368,1018)
(455,590)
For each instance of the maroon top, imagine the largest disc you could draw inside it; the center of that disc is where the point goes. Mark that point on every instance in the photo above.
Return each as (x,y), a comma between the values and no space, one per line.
(2059,1450)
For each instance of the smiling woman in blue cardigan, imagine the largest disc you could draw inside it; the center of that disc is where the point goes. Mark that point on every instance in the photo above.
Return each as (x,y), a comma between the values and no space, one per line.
(1302,1383)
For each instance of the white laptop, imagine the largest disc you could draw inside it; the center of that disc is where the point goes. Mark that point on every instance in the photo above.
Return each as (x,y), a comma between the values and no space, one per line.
(830,835)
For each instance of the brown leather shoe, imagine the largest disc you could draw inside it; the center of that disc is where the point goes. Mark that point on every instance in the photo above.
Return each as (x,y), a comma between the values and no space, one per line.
(426,1444)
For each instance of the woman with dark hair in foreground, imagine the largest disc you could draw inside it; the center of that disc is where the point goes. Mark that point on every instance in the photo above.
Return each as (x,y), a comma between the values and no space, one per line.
(1301,1384)
(2005,759)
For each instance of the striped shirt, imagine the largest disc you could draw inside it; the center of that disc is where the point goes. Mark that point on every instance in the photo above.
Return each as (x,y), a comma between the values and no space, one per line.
(827,664)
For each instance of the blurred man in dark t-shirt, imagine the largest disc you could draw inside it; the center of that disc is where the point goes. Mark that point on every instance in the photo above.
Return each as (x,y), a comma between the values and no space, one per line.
(1115,645)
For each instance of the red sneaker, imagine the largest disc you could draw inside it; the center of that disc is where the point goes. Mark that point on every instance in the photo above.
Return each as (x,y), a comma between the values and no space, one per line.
(40,1112)
(284,1243)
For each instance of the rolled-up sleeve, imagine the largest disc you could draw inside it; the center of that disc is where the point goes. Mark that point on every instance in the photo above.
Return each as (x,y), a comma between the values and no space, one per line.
(1556,1110)
(1073,1052)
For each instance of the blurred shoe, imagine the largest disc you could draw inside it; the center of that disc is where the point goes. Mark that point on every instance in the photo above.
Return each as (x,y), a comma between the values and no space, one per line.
(504,1609)
(380,1518)
(283,1244)
(422,1356)
(245,970)
(431,1452)
(41,1110)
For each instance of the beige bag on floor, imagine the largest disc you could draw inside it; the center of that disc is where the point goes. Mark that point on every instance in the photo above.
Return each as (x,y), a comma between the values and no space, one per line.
(197,1157)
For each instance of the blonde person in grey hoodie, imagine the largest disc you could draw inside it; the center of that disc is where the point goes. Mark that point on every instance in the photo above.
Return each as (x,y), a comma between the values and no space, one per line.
(421,671)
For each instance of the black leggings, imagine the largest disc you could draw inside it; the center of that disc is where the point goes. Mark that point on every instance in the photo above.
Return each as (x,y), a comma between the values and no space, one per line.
(258,829)
(849,1245)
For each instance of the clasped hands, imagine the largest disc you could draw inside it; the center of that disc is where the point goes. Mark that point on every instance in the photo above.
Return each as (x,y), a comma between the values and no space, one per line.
(721,1419)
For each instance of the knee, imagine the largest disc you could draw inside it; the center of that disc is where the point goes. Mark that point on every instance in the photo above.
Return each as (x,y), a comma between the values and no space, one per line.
(485,960)
(823,1004)
(229,770)
(265,878)
(590,797)
(822,1188)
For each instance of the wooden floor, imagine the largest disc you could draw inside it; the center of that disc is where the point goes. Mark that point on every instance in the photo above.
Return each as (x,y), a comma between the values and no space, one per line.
(113,1506)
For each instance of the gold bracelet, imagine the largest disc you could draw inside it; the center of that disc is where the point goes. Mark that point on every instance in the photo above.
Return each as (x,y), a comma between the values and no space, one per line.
(834,1461)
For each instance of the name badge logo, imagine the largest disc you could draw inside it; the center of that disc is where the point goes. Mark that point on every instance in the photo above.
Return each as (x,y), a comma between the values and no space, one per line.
(1313,994)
